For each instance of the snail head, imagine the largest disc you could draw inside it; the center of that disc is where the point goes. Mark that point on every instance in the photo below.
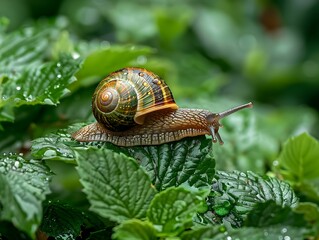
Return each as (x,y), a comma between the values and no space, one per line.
(214,118)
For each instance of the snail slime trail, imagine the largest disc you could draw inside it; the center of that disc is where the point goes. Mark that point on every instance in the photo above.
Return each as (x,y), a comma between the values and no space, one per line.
(135,107)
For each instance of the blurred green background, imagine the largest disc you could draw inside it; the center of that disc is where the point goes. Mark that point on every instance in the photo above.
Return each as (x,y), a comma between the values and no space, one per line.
(265,51)
(213,54)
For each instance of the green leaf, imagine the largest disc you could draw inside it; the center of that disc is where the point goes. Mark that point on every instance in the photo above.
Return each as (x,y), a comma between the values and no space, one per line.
(269,213)
(21,49)
(310,211)
(267,233)
(55,146)
(6,114)
(207,232)
(23,186)
(135,229)
(187,161)
(298,160)
(172,210)
(103,61)
(172,164)
(116,186)
(235,194)
(42,85)
(61,220)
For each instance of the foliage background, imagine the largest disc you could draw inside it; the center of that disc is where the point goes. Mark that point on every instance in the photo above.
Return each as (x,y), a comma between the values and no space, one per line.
(213,54)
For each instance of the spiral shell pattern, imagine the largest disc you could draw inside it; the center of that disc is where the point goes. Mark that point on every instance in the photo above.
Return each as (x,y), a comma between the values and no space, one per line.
(125,97)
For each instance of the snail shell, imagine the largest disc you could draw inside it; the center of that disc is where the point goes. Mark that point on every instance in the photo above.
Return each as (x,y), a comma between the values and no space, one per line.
(125,97)
(135,107)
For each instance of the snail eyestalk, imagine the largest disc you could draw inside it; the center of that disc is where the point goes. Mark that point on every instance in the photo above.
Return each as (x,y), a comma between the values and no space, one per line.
(214,118)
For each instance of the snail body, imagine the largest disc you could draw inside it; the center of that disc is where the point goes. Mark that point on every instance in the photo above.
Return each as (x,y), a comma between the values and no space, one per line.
(134,106)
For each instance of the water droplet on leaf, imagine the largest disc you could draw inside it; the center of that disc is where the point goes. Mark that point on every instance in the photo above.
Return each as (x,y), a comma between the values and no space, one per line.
(29,98)
(18,164)
(49,153)
(16,100)
(75,55)
(48,101)
(4,97)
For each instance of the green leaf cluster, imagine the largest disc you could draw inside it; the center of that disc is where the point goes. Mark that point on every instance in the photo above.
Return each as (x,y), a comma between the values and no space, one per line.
(171,191)
(24,185)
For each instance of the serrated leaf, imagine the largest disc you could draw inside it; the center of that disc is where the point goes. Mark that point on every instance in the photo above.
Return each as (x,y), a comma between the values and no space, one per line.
(172,164)
(172,210)
(267,233)
(103,61)
(23,186)
(60,146)
(235,194)
(269,213)
(116,186)
(298,160)
(19,49)
(61,220)
(187,161)
(202,233)
(310,211)
(42,85)
(56,146)
(135,229)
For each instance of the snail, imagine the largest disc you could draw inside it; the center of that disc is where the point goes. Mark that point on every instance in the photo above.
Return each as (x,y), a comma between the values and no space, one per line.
(133,106)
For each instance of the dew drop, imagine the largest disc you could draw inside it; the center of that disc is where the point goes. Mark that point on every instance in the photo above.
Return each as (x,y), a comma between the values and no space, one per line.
(75,55)
(2,168)
(284,230)
(30,170)
(141,60)
(287,238)
(4,97)
(58,64)
(18,88)
(56,86)
(16,100)
(48,101)
(59,76)
(18,164)
(49,153)
(29,98)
